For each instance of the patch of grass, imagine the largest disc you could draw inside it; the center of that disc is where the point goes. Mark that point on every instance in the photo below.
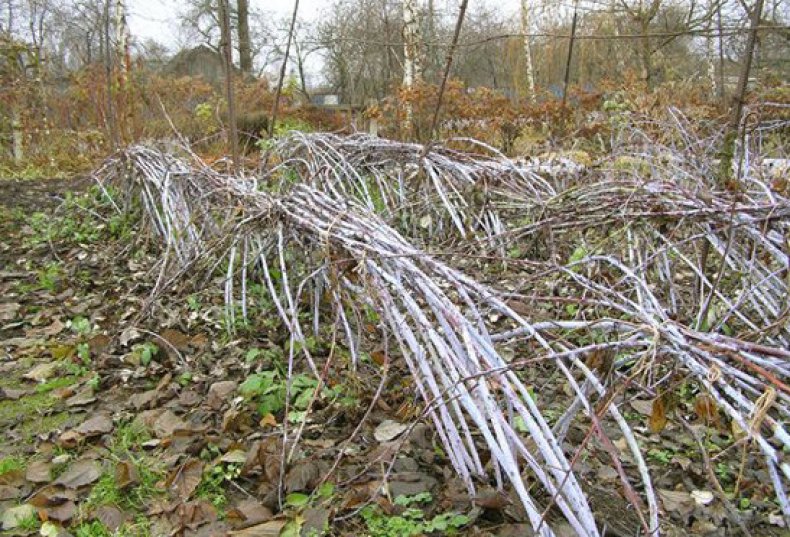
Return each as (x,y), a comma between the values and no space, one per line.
(134,497)
(141,527)
(105,492)
(50,276)
(662,456)
(129,437)
(11,464)
(79,223)
(92,529)
(126,441)
(30,524)
(28,407)
(54,384)
(45,424)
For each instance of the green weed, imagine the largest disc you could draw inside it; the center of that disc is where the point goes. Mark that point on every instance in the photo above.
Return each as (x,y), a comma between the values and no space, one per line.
(212,486)
(50,276)
(55,384)
(11,464)
(92,529)
(268,389)
(30,524)
(412,521)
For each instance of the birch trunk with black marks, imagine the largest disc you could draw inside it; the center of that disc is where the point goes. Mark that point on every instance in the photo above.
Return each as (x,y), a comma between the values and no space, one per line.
(530,70)
(411,57)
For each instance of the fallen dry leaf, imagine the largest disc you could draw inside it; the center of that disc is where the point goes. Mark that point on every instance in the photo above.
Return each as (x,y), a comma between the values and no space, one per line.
(389,430)
(112,517)
(79,474)
(706,409)
(676,501)
(7,492)
(196,513)
(185,479)
(51,495)
(219,392)
(643,406)
(248,513)
(39,472)
(144,400)
(167,423)
(42,372)
(177,339)
(82,398)
(235,456)
(302,476)
(12,478)
(8,311)
(702,497)
(69,439)
(271,528)
(491,498)
(14,516)
(62,352)
(47,331)
(316,520)
(126,474)
(128,335)
(11,394)
(658,415)
(62,512)
(99,343)
(189,398)
(268,420)
(97,425)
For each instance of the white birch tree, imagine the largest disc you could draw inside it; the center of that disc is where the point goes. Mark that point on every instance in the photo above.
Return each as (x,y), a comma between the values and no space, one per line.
(530,70)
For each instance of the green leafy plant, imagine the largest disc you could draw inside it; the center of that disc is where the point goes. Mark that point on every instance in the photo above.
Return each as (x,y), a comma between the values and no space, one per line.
(84,353)
(107,490)
(193,301)
(412,521)
(724,472)
(145,352)
(269,388)
(282,127)
(663,456)
(212,485)
(80,326)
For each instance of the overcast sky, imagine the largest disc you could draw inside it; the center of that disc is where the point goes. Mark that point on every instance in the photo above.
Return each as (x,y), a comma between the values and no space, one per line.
(156,19)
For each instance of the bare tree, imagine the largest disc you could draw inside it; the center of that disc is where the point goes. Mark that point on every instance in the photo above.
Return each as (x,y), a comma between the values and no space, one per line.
(227,47)
(245,45)
(362,45)
(281,79)
(736,111)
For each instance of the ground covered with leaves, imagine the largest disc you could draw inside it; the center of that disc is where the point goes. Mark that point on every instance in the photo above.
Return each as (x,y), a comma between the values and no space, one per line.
(128,418)
(129,412)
